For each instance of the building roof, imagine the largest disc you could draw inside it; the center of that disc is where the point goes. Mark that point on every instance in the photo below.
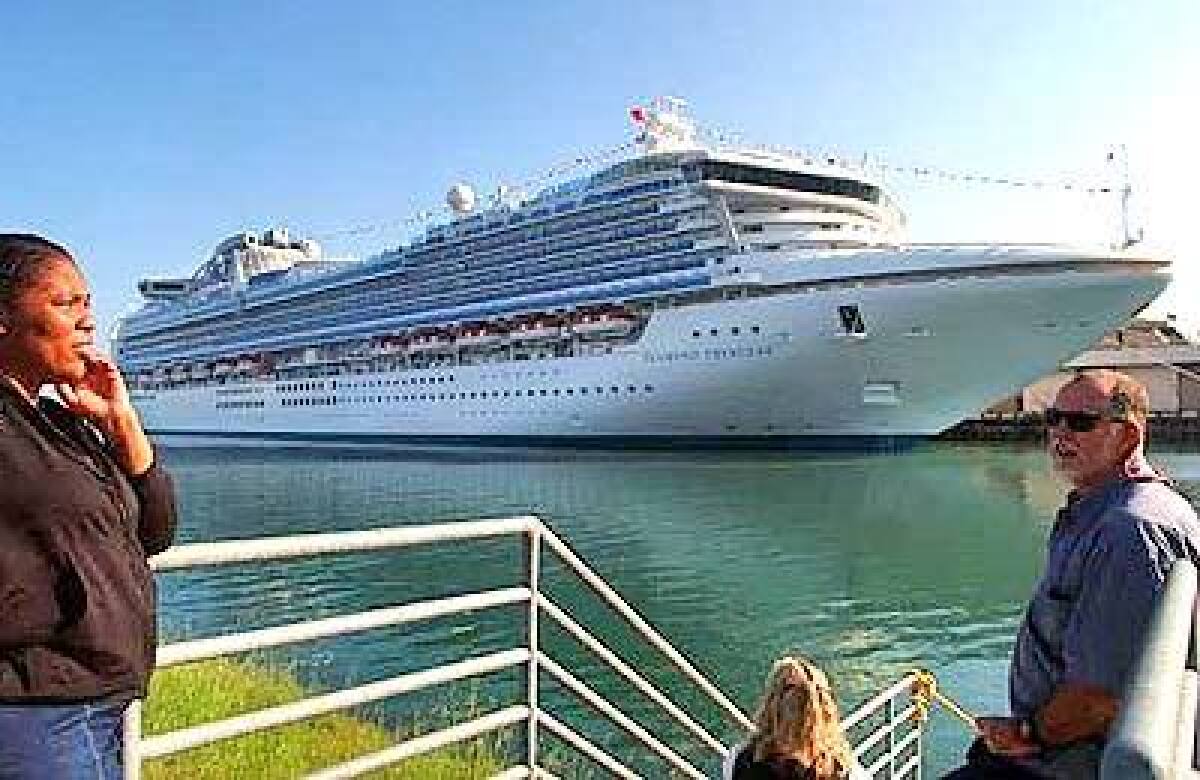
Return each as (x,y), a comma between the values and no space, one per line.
(1136,357)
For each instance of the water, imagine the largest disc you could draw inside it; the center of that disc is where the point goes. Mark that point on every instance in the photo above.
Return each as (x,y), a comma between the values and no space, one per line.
(870,564)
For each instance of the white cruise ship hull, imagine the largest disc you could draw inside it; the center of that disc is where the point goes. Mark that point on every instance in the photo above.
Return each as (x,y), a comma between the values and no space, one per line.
(771,370)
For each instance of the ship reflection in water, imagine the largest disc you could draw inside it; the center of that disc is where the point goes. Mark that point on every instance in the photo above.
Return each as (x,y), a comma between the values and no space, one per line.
(871,564)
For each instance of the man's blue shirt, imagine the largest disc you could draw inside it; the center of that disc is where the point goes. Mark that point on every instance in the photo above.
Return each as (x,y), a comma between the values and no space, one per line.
(1107,557)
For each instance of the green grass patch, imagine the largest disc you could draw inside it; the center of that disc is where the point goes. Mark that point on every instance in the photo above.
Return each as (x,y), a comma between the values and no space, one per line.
(193,694)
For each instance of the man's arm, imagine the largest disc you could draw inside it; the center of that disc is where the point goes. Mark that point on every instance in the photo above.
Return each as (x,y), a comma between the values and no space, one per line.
(1122,576)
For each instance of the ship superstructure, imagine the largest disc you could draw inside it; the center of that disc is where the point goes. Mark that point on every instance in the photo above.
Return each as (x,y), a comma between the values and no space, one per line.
(686,293)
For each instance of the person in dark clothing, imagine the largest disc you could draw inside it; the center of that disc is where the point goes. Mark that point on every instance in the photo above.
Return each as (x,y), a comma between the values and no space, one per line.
(798,732)
(1113,543)
(84,503)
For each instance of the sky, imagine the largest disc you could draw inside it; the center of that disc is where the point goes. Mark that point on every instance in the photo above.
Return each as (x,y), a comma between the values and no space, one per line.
(141,134)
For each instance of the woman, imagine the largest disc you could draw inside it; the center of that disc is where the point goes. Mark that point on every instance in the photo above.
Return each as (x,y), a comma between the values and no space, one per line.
(83,503)
(798,731)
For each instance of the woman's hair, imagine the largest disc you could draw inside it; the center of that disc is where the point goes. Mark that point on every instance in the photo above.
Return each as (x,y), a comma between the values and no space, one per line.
(22,258)
(798,719)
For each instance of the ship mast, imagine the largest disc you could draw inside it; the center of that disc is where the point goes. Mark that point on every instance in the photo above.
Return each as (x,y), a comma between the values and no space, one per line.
(1121,157)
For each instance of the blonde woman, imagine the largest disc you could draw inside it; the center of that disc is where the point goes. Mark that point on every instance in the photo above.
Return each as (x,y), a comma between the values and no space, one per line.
(798,732)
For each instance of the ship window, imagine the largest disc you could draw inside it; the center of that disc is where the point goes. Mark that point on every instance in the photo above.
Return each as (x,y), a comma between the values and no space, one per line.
(556,391)
(752,228)
(852,321)
(632,389)
(615,389)
(570,391)
(649,388)
(696,334)
(735,330)
(754,329)
(583,391)
(712,332)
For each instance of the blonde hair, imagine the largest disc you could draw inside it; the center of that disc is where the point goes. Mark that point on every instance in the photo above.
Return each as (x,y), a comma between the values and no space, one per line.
(798,719)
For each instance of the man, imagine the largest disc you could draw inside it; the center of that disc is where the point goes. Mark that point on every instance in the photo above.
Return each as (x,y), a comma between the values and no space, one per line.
(1112,545)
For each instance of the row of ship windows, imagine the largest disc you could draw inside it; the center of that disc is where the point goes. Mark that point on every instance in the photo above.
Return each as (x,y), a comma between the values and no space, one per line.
(576,278)
(734,331)
(308,387)
(430,256)
(602,197)
(710,354)
(565,227)
(478,395)
(241,404)
(249,340)
(421,251)
(331,302)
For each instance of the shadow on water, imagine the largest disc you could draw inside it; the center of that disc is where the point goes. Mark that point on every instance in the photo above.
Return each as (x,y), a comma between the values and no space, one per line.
(871,564)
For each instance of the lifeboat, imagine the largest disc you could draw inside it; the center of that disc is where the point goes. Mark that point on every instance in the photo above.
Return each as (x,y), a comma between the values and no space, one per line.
(479,335)
(604,322)
(536,329)
(389,345)
(429,341)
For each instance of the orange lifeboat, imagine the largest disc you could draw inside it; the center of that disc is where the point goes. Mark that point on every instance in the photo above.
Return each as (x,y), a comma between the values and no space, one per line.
(542,327)
(598,323)
(479,334)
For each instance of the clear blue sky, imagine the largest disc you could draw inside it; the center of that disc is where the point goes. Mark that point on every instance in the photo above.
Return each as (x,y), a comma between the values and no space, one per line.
(142,133)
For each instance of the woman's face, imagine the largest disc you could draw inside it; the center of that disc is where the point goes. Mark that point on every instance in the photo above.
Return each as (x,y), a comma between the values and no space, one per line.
(49,327)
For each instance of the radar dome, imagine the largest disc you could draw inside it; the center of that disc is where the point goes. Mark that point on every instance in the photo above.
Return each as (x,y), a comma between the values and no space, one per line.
(461,198)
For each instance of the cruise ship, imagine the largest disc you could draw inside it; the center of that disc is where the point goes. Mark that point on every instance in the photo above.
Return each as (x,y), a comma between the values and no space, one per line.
(689,293)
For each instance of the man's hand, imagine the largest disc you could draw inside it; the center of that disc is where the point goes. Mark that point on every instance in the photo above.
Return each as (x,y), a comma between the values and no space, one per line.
(1005,737)
(1075,712)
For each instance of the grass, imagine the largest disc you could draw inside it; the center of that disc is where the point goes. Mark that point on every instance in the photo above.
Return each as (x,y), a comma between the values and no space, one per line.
(193,694)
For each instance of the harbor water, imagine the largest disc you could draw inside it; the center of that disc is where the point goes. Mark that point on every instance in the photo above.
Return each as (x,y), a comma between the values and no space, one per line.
(870,564)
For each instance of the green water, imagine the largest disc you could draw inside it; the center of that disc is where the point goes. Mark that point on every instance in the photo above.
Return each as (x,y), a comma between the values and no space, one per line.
(871,564)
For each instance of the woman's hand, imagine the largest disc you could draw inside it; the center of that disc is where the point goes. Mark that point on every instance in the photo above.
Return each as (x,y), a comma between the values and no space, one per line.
(101,396)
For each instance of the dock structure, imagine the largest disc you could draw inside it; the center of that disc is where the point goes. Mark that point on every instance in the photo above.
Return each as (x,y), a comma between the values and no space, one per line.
(1180,428)
(1152,352)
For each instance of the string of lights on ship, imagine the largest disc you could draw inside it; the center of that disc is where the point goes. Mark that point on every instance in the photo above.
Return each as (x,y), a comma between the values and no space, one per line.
(732,140)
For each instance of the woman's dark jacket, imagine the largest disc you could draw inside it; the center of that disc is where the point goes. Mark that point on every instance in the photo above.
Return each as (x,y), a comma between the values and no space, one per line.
(76,594)
(746,767)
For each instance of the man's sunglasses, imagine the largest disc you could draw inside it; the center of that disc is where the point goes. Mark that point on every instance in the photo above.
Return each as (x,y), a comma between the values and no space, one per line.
(1077,422)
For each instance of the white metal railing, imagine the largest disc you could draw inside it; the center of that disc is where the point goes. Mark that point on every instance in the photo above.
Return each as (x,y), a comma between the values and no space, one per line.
(892,746)
(531,657)
(887,731)
(1153,737)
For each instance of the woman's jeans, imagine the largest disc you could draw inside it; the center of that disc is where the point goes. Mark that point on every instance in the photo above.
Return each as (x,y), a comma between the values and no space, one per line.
(62,742)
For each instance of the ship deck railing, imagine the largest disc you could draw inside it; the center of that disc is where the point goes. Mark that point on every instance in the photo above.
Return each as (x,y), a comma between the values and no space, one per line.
(886,735)
(1155,733)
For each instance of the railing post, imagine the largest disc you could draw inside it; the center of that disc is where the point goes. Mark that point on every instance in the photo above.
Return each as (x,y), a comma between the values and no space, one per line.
(890,713)
(533,571)
(920,747)
(131,737)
